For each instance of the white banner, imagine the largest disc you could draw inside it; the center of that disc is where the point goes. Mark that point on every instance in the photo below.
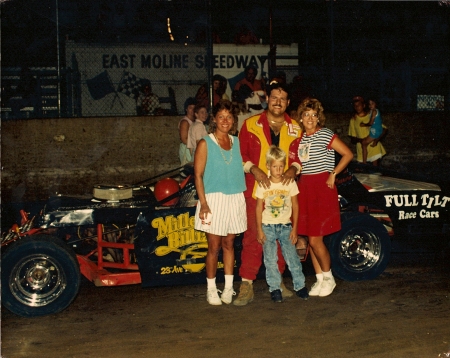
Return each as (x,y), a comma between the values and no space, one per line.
(111,75)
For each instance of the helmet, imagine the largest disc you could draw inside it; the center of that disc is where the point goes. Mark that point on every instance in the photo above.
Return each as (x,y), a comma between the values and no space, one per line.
(165,188)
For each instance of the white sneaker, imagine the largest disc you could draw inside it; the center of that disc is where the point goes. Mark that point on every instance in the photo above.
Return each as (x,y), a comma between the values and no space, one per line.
(328,285)
(227,295)
(212,297)
(315,289)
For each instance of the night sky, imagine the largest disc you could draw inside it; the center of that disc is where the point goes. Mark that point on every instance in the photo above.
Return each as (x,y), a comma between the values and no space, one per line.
(398,47)
(401,30)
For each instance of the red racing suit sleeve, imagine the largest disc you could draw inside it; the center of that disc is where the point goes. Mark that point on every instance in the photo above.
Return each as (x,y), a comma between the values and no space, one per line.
(293,152)
(250,146)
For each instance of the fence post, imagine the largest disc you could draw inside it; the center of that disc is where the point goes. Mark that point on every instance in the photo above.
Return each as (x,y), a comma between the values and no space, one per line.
(69,94)
(38,102)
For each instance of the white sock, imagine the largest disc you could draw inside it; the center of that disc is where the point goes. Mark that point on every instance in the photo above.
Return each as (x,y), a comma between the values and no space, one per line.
(319,277)
(246,280)
(229,281)
(211,282)
(327,274)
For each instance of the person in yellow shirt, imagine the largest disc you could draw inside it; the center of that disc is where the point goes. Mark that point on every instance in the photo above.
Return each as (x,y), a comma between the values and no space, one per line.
(375,150)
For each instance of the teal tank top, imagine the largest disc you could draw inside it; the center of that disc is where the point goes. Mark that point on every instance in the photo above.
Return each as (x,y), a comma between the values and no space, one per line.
(224,171)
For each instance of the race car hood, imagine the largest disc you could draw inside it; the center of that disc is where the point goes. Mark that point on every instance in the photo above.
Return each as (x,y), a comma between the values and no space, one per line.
(62,211)
(380,183)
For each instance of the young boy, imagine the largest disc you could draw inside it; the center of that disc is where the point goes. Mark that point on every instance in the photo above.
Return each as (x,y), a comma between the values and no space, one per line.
(274,208)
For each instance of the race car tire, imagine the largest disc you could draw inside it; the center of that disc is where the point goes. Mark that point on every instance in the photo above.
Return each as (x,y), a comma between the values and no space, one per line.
(40,276)
(361,249)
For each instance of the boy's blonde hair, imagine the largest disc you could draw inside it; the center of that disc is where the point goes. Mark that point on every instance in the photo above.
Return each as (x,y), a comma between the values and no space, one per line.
(275,153)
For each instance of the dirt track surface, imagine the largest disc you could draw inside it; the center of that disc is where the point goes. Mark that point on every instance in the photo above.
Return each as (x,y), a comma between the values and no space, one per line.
(403,313)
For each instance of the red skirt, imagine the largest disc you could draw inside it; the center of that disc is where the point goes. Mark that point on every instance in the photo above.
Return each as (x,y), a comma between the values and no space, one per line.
(319,212)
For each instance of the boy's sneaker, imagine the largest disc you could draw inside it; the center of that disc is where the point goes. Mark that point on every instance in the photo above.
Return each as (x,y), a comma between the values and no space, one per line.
(212,297)
(302,293)
(276,296)
(227,295)
(328,285)
(315,289)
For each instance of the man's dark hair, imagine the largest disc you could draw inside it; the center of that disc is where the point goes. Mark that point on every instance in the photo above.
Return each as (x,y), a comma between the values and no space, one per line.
(274,84)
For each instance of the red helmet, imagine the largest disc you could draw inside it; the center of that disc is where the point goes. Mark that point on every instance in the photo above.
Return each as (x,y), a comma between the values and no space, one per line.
(165,188)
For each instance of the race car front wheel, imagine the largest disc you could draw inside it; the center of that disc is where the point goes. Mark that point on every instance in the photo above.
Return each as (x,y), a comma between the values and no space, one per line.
(40,276)
(361,249)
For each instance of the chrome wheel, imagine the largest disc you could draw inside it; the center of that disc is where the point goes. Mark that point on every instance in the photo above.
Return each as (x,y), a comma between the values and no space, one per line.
(37,280)
(360,250)
(40,276)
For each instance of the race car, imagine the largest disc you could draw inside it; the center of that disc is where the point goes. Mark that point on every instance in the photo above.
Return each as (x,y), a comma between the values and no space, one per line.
(144,234)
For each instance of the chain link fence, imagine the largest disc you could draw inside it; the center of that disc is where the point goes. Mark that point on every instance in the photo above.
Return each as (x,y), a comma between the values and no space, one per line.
(133,79)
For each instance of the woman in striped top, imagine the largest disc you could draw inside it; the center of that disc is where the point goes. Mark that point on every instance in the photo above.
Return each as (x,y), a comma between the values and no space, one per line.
(318,199)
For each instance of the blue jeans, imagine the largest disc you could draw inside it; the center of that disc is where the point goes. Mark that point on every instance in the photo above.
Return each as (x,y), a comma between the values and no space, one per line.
(281,233)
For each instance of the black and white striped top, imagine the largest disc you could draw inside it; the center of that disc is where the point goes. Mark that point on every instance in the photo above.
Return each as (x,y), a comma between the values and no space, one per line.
(315,153)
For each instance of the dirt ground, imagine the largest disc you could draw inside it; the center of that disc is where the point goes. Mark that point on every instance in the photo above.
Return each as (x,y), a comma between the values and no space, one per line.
(403,313)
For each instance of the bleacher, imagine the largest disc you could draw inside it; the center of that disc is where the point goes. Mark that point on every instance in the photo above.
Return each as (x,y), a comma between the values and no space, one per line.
(43,101)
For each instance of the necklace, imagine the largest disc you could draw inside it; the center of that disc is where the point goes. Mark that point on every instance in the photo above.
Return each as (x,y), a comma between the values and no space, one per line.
(221,150)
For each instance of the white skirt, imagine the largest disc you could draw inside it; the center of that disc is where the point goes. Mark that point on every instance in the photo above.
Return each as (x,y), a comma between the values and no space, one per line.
(229,214)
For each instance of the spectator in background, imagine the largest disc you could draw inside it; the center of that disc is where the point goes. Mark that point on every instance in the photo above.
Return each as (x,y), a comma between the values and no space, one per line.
(376,127)
(239,98)
(148,102)
(202,96)
(357,133)
(253,101)
(246,37)
(197,130)
(242,94)
(250,80)
(219,89)
(183,128)
(256,102)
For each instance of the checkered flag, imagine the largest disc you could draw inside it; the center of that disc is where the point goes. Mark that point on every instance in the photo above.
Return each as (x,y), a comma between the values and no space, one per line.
(130,85)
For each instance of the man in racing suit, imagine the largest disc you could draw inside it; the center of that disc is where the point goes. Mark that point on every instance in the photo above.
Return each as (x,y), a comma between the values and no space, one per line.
(257,134)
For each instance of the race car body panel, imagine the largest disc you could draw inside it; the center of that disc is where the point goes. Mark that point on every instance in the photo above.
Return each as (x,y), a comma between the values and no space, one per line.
(415,208)
(380,183)
(169,251)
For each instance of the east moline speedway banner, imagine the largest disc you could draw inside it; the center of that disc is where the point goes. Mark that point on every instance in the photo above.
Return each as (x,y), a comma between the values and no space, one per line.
(111,75)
